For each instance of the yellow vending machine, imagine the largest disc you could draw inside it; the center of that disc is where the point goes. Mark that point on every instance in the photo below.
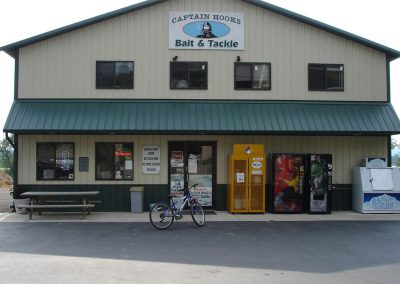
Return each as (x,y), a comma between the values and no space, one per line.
(246,173)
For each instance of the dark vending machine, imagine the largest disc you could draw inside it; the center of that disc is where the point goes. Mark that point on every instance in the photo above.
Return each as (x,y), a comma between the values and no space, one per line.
(287,183)
(319,183)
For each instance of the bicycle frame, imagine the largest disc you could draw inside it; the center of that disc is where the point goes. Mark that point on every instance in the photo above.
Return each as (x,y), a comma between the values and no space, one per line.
(186,199)
(173,211)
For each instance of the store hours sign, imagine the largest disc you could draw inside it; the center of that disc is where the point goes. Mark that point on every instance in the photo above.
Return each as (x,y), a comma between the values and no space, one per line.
(151,160)
(204,30)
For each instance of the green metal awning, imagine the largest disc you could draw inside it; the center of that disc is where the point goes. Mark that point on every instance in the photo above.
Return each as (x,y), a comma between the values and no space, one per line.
(200,117)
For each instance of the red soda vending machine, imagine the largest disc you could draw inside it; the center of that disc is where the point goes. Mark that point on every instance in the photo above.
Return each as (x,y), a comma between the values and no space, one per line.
(287,183)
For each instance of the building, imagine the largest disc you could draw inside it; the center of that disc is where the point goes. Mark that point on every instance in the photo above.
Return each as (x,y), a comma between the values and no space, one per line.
(125,98)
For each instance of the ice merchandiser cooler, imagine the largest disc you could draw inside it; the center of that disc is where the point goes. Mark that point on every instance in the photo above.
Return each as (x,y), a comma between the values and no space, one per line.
(246,174)
(287,183)
(318,183)
(376,190)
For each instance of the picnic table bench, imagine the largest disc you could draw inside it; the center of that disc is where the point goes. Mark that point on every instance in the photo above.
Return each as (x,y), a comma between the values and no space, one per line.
(42,200)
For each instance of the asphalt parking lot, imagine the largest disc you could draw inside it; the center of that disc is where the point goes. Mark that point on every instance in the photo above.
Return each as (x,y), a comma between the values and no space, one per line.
(220,252)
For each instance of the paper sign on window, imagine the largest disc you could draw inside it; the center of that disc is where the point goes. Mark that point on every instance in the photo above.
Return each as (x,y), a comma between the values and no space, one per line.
(151,160)
(192,164)
(240,177)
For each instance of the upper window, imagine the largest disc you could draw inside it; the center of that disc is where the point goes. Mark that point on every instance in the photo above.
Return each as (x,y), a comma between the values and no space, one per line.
(188,75)
(114,75)
(252,76)
(325,77)
(55,161)
(114,161)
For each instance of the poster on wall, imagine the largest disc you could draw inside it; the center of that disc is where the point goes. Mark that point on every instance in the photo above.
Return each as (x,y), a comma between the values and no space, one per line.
(151,160)
(203,192)
(206,30)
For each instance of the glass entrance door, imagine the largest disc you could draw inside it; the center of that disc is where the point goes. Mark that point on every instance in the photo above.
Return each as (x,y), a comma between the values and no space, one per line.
(193,163)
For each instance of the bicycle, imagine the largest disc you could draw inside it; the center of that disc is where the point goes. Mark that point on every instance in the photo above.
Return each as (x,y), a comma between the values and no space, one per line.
(163,215)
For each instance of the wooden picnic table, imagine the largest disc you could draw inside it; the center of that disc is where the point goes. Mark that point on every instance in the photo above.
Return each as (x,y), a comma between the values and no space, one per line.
(45,200)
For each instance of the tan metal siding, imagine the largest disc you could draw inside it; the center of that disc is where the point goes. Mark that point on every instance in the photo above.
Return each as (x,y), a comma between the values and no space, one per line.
(347,152)
(64,66)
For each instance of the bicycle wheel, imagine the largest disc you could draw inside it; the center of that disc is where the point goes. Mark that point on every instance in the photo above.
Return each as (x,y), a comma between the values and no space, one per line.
(161,216)
(197,212)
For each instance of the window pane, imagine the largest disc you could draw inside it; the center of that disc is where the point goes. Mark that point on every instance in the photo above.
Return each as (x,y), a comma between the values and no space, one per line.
(114,75)
(65,161)
(261,76)
(45,166)
(105,75)
(104,161)
(186,75)
(316,77)
(323,77)
(243,77)
(124,75)
(198,75)
(334,78)
(123,161)
(179,75)
(114,161)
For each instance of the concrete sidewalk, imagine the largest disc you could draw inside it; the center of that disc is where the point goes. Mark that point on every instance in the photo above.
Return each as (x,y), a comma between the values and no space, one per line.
(220,216)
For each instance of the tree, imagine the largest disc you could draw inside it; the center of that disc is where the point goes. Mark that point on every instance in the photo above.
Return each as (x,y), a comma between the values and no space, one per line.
(395,144)
(6,156)
(395,155)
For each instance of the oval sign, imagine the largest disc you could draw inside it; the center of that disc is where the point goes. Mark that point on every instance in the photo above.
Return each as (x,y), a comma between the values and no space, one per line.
(210,29)
(257,165)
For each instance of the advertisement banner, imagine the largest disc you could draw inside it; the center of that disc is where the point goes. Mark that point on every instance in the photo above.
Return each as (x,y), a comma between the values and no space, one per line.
(206,30)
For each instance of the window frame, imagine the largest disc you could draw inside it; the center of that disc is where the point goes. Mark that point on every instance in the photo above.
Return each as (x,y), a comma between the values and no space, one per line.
(115,62)
(326,66)
(252,76)
(95,161)
(55,160)
(188,69)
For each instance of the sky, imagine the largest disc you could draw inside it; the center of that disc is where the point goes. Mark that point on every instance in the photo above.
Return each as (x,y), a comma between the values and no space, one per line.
(378,21)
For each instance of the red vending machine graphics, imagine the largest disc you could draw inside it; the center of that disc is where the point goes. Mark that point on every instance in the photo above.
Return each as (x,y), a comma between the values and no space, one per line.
(288,180)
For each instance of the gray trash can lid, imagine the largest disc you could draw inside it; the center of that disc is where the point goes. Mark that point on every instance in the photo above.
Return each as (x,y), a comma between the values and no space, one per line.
(136,189)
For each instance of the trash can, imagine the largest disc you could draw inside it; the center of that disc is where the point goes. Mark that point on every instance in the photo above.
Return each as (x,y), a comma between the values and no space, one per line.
(136,199)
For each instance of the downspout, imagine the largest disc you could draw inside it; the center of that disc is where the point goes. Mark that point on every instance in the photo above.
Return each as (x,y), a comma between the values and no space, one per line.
(10,141)
(388,99)
(388,95)
(389,151)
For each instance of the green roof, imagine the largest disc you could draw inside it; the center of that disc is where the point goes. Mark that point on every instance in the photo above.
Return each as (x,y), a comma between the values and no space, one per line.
(200,117)
(391,53)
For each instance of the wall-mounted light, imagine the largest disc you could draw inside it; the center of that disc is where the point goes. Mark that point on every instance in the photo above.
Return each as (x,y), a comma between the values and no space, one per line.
(238,58)
(175,58)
